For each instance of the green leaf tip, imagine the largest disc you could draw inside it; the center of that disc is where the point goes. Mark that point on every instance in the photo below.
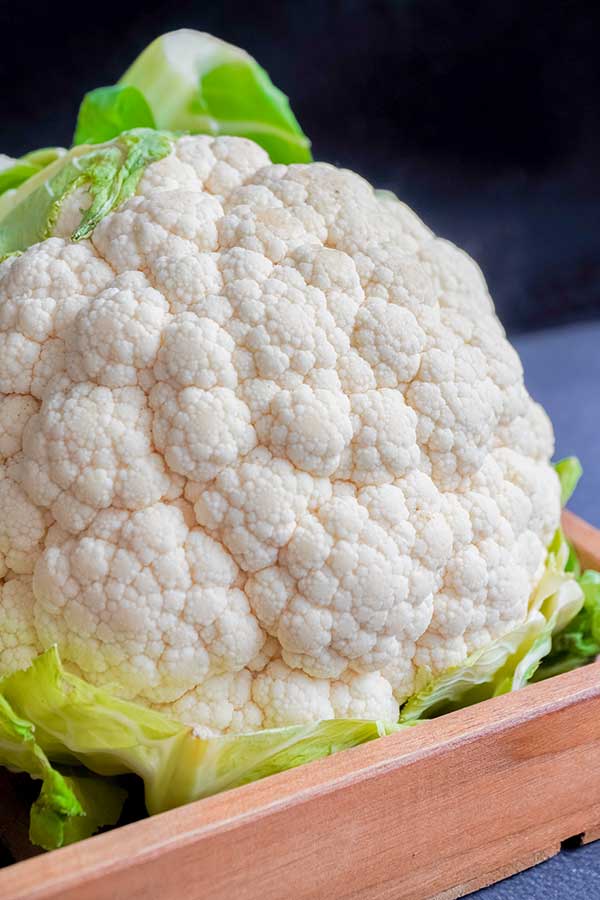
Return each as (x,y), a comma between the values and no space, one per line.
(106,174)
(113,177)
(107,112)
(69,807)
(579,642)
(15,172)
(569,471)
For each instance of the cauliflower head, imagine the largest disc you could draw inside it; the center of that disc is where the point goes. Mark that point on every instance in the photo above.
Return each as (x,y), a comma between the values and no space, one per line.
(266,455)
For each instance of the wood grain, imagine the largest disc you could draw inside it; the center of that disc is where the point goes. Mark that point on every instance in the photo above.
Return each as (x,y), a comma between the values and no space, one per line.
(585,537)
(433,812)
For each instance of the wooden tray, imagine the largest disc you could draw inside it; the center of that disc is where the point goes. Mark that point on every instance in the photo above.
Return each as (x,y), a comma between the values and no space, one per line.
(435,812)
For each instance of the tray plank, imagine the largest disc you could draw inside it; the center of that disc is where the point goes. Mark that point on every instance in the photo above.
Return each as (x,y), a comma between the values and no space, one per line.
(434,812)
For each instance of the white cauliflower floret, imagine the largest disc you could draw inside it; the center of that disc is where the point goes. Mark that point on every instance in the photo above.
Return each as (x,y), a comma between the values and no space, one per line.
(290,696)
(172,223)
(339,597)
(193,283)
(264,447)
(310,428)
(23,525)
(89,448)
(384,444)
(15,412)
(142,601)
(217,167)
(200,432)
(254,509)
(19,643)
(390,339)
(41,292)
(114,339)
(222,703)
(502,527)
(196,352)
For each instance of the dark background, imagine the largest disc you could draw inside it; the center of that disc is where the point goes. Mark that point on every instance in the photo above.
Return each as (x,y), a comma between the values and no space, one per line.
(484,116)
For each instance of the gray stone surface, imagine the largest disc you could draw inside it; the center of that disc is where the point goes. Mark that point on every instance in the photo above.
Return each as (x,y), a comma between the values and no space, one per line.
(562,368)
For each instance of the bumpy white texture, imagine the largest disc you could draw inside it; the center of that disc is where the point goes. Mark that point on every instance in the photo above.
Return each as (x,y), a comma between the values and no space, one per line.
(138,583)
(265,450)
(19,644)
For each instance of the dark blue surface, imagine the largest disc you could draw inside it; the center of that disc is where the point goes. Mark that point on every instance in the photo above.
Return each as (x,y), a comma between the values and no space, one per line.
(571,875)
(562,369)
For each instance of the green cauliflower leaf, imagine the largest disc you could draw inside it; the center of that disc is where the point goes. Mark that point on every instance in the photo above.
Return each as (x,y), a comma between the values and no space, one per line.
(188,81)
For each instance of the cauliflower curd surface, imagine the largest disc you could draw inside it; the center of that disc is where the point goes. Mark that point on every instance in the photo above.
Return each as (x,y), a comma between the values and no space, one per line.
(265,451)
